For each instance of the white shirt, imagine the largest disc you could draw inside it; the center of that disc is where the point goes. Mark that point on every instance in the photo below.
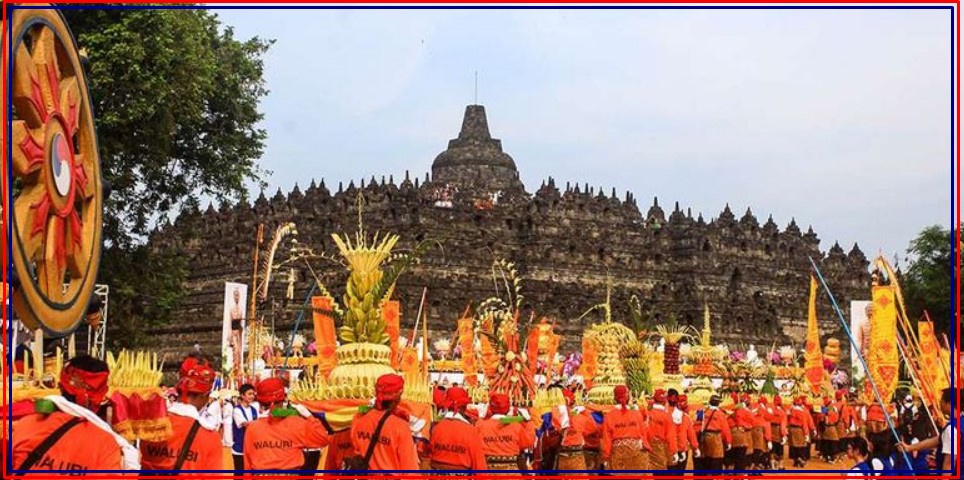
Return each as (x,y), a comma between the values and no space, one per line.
(227,436)
(947,436)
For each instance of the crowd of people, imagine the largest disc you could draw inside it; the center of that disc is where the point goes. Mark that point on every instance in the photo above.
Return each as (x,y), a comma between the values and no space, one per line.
(662,433)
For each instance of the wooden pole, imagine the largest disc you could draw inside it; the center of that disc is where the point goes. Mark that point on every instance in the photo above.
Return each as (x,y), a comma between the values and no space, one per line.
(252,307)
(418,316)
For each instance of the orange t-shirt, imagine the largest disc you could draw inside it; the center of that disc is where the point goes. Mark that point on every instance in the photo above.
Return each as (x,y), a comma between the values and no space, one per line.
(800,418)
(742,418)
(205,452)
(778,417)
(619,424)
(504,439)
(272,443)
(339,448)
(847,415)
(571,435)
(84,447)
(761,419)
(586,425)
(396,447)
(457,442)
(714,420)
(686,434)
(876,414)
(662,428)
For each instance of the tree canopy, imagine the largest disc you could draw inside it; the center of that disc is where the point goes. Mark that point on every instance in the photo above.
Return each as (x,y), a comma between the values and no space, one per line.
(928,279)
(176,101)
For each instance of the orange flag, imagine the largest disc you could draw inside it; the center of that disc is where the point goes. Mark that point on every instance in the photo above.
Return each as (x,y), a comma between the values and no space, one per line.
(590,357)
(326,340)
(813,358)
(467,343)
(392,317)
(409,363)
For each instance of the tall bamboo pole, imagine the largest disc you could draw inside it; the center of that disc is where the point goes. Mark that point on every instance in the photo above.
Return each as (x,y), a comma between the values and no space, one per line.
(253,304)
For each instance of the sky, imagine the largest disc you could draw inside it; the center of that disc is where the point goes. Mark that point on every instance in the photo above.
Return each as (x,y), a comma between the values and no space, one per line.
(839,119)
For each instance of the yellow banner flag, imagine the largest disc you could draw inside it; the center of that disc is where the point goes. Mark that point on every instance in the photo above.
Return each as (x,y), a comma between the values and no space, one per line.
(933,376)
(813,358)
(883,359)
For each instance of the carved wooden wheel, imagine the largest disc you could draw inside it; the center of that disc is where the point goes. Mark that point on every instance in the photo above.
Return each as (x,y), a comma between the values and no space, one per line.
(55,177)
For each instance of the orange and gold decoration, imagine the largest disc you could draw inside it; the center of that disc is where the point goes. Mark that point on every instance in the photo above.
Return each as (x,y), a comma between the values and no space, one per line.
(813,358)
(57,193)
(883,359)
(325,339)
(140,409)
(466,333)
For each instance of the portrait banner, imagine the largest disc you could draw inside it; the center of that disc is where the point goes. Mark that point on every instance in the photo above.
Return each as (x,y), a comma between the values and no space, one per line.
(233,328)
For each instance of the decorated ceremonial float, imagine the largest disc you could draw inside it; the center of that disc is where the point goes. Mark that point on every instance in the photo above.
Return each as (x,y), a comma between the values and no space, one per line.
(365,344)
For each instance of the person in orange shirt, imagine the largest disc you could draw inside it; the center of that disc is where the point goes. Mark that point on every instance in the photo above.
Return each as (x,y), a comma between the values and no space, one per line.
(624,444)
(395,448)
(717,438)
(571,455)
(848,417)
(192,447)
(276,440)
(340,447)
(831,431)
(778,431)
(455,443)
(876,419)
(588,425)
(663,436)
(762,438)
(741,426)
(685,429)
(504,440)
(81,439)
(800,427)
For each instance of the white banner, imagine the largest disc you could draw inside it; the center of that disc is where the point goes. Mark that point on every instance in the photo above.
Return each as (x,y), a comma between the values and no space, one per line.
(233,325)
(860,329)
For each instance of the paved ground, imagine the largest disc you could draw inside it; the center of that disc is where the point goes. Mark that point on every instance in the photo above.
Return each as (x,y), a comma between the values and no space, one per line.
(815,464)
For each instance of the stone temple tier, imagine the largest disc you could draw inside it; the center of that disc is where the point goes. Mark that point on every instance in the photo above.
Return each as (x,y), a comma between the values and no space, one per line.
(567,240)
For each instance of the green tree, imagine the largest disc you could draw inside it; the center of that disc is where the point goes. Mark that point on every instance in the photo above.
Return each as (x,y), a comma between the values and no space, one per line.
(928,279)
(176,102)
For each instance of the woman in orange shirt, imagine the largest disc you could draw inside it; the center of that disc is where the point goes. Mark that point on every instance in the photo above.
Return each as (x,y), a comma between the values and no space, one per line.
(276,440)
(624,444)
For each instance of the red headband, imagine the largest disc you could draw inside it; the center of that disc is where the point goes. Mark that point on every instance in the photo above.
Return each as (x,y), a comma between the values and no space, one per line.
(388,388)
(498,404)
(621,395)
(456,398)
(270,390)
(196,377)
(88,388)
(659,396)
